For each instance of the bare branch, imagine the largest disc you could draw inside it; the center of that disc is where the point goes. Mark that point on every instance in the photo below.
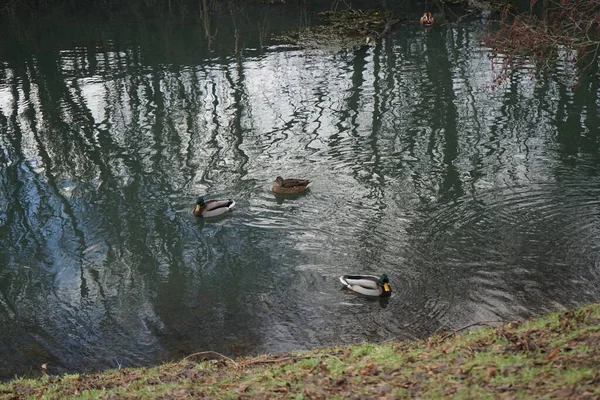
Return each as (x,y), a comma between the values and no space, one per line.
(564,30)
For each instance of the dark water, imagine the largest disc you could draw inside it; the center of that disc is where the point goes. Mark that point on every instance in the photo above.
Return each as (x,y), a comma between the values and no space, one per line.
(480,203)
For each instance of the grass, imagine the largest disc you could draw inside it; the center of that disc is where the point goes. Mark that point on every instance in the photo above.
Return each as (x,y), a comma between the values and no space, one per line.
(556,356)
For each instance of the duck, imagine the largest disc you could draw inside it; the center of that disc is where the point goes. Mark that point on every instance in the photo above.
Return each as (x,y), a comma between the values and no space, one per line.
(212,208)
(368,285)
(290,186)
(427,20)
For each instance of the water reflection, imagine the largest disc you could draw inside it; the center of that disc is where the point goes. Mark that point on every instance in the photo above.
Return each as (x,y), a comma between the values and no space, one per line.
(478,203)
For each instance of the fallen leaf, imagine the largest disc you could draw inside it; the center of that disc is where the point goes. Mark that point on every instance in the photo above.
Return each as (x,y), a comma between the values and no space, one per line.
(242,388)
(564,393)
(506,387)
(281,389)
(553,355)
(383,388)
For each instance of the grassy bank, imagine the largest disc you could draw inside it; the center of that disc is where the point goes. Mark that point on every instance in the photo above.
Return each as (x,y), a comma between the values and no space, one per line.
(557,356)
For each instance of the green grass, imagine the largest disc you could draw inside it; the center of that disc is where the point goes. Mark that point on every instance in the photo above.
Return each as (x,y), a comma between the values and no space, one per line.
(556,356)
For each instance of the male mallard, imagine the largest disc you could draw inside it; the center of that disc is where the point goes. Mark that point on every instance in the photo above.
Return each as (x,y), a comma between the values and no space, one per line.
(212,208)
(290,186)
(427,20)
(368,285)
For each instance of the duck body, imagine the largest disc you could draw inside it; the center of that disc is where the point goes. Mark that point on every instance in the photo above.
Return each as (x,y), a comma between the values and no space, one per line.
(427,20)
(290,186)
(368,285)
(212,208)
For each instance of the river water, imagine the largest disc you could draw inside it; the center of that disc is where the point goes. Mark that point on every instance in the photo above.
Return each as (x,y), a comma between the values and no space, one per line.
(479,202)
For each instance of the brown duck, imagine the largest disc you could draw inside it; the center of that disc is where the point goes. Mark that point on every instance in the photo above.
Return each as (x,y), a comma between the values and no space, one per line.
(290,186)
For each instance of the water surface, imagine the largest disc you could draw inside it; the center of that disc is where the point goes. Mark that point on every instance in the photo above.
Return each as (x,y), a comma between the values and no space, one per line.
(480,203)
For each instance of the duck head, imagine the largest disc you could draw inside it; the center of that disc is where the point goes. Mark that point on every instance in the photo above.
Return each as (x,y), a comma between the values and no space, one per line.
(199,204)
(427,19)
(279,180)
(385,282)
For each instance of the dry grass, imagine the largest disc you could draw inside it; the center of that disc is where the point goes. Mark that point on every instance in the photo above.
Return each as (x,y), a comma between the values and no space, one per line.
(552,357)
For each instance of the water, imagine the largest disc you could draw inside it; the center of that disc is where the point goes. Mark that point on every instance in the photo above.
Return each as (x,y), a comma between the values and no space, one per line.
(480,203)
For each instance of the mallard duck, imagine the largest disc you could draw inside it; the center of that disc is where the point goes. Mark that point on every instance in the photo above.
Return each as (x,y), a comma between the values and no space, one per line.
(427,20)
(290,186)
(212,208)
(368,285)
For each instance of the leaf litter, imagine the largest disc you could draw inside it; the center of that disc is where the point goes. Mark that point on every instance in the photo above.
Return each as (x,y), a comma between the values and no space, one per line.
(556,356)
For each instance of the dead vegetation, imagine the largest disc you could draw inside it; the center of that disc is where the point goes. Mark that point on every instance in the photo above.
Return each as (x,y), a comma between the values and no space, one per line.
(552,32)
(552,357)
(341,30)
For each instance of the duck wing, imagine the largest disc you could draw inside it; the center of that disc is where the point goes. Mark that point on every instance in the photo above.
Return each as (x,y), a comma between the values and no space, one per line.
(365,281)
(214,204)
(362,284)
(289,183)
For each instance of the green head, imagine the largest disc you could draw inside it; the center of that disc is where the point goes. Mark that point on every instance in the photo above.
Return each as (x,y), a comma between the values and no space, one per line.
(200,202)
(385,282)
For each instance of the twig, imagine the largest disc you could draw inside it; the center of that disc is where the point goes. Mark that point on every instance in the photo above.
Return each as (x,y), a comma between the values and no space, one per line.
(454,332)
(211,352)
(463,16)
(594,57)
(442,7)
(277,360)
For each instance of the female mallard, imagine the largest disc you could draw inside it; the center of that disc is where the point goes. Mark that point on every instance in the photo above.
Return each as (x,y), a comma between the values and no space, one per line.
(290,186)
(368,285)
(212,208)
(427,20)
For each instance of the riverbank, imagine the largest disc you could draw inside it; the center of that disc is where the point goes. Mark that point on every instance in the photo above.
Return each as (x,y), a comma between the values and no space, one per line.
(555,356)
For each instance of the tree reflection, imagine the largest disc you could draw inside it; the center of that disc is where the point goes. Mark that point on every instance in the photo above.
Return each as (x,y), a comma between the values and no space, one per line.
(106,141)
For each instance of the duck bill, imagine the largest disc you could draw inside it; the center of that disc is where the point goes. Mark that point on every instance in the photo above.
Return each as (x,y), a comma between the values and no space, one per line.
(197,209)
(386,287)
